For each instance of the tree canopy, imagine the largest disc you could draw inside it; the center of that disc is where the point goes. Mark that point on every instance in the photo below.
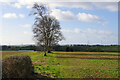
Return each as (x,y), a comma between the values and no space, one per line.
(46,29)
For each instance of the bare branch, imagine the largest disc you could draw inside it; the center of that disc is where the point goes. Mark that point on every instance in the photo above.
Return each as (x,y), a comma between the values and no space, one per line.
(47,31)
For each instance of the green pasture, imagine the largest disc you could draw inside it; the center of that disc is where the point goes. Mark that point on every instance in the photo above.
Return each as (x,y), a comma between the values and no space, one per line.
(72,64)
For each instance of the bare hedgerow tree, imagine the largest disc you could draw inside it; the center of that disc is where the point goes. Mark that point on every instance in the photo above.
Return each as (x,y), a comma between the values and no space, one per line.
(47,31)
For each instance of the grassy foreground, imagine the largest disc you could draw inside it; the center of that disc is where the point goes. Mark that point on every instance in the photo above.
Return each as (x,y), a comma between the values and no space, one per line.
(72,64)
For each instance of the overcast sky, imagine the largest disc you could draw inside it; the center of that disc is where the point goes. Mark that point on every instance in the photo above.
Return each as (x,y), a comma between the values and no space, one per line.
(81,22)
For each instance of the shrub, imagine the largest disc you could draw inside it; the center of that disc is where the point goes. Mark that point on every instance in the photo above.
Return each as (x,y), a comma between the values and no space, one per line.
(17,67)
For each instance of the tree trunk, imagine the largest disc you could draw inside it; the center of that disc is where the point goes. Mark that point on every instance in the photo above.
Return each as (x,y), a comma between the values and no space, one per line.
(45,51)
(45,54)
(49,49)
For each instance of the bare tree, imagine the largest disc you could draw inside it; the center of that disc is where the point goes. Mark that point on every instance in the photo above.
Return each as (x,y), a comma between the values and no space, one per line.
(47,31)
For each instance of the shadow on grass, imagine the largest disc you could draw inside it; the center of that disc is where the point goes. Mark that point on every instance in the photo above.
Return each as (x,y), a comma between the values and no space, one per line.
(39,75)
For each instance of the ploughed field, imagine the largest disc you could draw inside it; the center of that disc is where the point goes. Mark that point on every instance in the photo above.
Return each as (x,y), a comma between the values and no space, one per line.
(72,64)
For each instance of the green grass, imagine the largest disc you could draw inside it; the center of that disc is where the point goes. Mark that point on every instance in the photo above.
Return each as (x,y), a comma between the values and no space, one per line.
(72,64)
(47,65)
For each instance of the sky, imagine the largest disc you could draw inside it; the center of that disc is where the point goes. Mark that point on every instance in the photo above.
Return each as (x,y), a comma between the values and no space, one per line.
(81,22)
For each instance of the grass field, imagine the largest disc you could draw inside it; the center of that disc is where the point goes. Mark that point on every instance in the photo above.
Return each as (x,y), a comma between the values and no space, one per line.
(72,64)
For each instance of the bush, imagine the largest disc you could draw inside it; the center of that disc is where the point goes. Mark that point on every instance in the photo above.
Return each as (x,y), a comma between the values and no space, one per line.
(17,67)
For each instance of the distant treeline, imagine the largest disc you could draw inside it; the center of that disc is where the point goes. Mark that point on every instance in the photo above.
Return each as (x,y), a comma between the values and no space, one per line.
(68,48)
(87,48)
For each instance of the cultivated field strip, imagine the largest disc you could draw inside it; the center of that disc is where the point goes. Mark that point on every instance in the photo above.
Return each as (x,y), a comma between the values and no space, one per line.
(88,55)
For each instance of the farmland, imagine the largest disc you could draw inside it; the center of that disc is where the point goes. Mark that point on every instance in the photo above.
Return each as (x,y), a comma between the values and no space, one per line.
(72,64)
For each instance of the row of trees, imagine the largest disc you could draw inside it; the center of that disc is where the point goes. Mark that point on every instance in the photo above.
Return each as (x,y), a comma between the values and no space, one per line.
(67,48)
(87,48)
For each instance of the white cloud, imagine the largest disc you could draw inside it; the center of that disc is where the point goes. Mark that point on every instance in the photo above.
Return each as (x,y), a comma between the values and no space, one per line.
(89,32)
(26,25)
(88,17)
(21,15)
(67,16)
(111,6)
(63,15)
(76,30)
(13,15)
(83,5)
(25,2)
(100,33)
(53,4)
(7,1)
(29,7)
(10,15)
(17,5)
(25,32)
